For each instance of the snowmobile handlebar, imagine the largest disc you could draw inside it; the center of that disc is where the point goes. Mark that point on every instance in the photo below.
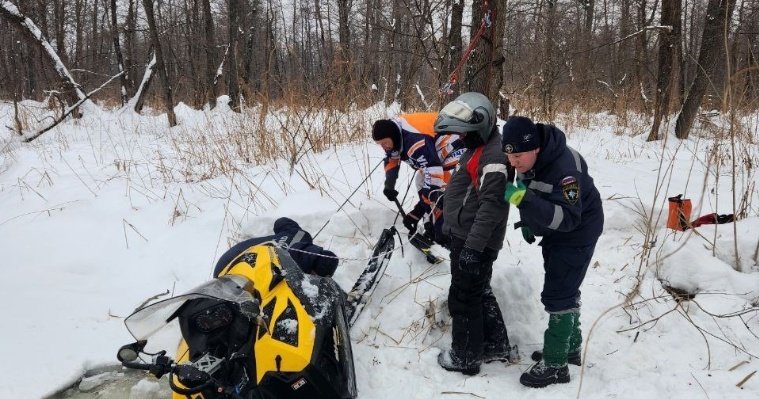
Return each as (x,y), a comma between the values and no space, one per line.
(161,365)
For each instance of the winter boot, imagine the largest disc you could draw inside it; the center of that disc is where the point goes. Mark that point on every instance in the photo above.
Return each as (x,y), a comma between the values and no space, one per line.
(500,353)
(492,352)
(553,368)
(575,340)
(540,376)
(449,360)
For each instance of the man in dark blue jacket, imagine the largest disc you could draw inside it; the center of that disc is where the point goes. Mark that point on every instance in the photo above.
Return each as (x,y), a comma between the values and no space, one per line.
(557,200)
(310,257)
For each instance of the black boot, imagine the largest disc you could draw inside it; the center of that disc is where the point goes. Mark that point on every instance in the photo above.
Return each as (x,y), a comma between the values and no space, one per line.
(449,360)
(500,353)
(572,357)
(540,375)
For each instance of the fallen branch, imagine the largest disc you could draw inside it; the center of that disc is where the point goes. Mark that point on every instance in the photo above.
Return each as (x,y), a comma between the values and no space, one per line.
(72,109)
(743,381)
(461,393)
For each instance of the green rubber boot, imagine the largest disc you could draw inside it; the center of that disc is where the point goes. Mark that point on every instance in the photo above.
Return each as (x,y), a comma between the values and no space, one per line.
(575,340)
(552,369)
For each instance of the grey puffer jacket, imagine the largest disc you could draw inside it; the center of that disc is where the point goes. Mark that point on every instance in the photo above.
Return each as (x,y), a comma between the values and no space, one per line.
(475,211)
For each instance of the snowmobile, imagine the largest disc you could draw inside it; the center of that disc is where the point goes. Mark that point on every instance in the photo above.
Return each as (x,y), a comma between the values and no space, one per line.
(262,329)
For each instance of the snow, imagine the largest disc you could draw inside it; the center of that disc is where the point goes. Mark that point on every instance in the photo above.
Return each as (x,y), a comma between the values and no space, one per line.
(106,211)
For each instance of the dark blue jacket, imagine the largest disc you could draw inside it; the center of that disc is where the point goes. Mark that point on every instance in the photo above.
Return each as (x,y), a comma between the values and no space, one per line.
(561,204)
(288,232)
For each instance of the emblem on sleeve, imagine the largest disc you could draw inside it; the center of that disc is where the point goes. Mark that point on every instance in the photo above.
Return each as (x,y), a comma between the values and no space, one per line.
(570,188)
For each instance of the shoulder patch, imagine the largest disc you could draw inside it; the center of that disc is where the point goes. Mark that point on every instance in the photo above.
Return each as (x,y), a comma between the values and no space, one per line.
(570,188)
(568,180)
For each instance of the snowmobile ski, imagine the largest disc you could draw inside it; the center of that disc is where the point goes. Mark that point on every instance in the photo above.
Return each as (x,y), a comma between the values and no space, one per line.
(367,281)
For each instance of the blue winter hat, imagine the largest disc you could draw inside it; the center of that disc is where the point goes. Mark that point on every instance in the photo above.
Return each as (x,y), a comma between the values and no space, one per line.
(520,134)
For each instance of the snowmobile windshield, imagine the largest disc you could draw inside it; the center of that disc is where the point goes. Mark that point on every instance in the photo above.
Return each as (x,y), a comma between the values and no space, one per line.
(145,321)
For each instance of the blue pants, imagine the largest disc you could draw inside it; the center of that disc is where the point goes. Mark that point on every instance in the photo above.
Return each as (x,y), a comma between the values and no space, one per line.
(565,269)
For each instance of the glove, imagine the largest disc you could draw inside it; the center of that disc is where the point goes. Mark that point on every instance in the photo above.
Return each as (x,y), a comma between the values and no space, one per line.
(390,193)
(470,260)
(515,193)
(527,235)
(526,232)
(410,221)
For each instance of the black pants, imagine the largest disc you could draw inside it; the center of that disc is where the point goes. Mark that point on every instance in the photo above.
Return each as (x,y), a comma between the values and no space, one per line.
(565,269)
(477,318)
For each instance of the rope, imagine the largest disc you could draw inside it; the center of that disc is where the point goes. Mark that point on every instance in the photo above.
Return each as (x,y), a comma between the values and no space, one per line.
(339,258)
(454,76)
(349,197)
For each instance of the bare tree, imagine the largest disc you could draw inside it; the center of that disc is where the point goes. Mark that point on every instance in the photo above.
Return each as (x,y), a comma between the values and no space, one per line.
(718,14)
(234,34)
(210,44)
(168,100)
(9,11)
(669,58)
(119,56)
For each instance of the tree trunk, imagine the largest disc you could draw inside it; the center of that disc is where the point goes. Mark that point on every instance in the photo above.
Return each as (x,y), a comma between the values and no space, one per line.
(193,52)
(454,43)
(59,11)
(480,65)
(251,47)
(549,67)
(210,43)
(669,50)
(717,20)
(234,35)
(168,100)
(147,78)
(498,55)
(79,43)
(119,56)
(129,39)
(392,84)
(343,29)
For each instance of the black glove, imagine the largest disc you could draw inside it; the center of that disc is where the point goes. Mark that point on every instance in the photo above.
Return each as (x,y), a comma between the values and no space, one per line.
(526,232)
(410,221)
(470,260)
(390,193)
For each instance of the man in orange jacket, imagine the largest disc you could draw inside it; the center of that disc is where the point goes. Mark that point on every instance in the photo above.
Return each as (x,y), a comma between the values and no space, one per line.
(411,138)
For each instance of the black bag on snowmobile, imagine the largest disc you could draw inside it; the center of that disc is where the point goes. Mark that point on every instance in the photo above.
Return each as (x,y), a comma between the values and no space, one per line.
(262,329)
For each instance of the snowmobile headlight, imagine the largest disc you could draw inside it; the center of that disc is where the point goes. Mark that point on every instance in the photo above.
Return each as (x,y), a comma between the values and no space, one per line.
(213,318)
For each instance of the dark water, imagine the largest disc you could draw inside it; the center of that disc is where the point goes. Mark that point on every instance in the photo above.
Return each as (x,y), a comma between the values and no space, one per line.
(115,382)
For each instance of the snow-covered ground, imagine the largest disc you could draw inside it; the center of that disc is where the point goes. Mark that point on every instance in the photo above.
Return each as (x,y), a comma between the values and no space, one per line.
(102,213)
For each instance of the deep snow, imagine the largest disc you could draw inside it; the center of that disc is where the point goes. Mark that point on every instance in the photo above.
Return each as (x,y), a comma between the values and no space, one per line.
(104,212)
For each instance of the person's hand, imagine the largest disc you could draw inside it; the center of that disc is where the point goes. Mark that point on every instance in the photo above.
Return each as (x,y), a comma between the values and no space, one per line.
(470,260)
(515,193)
(526,232)
(527,235)
(410,221)
(390,193)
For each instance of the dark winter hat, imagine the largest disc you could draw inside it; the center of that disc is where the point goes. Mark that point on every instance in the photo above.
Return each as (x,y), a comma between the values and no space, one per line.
(326,267)
(520,135)
(384,128)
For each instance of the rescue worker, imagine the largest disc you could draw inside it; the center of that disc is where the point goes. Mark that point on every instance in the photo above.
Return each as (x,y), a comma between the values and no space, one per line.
(557,201)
